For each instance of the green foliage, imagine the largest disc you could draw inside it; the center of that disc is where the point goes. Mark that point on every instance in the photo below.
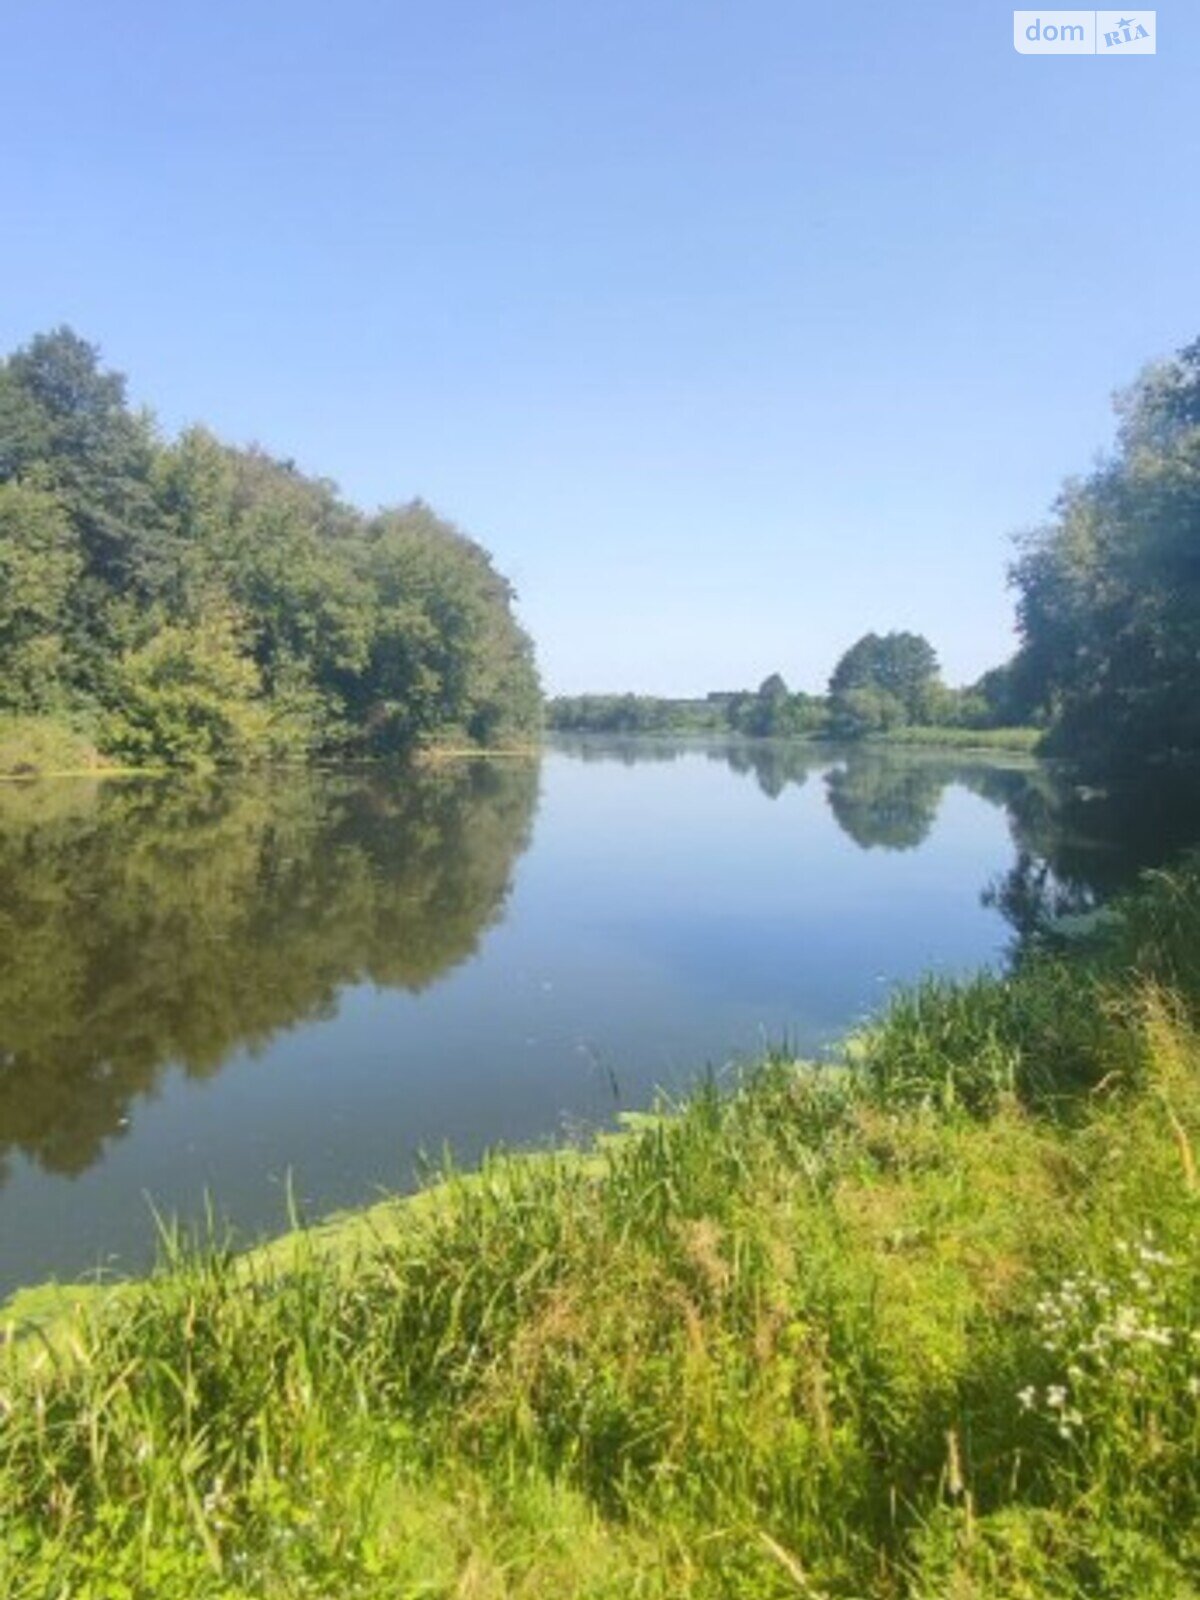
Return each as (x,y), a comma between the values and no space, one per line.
(1109,591)
(31,746)
(885,687)
(882,682)
(1024,739)
(212,604)
(445,654)
(771,713)
(632,714)
(824,1334)
(866,710)
(40,563)
(775,713)
(189,696)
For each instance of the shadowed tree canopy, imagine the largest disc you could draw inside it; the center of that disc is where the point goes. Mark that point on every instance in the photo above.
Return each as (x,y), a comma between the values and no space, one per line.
(1109,591)
(189,601)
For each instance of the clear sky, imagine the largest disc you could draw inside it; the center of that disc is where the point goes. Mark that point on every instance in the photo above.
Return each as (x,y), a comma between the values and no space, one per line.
(733,330)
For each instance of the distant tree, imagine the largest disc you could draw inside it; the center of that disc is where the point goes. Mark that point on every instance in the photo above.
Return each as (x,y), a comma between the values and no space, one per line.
(1004,697)
(857,712)
(884,680)
(902,665)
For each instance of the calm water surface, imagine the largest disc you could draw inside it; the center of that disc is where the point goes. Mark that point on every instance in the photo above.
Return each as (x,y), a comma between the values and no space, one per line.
(206,987)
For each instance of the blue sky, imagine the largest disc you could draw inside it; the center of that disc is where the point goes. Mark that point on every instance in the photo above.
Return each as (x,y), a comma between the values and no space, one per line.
(733,330)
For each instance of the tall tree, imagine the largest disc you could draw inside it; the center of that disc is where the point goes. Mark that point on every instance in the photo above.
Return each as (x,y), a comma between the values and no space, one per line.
(1109,591)
(884,679)
(40,562)
(76,429)
(197,601)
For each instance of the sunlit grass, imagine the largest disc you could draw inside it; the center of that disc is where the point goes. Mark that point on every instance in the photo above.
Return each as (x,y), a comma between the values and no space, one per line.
(1025,740)
(930,1328)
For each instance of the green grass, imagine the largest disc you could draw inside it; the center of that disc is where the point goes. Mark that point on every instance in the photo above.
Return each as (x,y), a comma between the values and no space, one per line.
(1021,739)
(42,747)
(926,1329)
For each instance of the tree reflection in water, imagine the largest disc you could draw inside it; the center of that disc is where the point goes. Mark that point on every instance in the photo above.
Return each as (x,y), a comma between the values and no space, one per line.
(145,924)
(1075,846)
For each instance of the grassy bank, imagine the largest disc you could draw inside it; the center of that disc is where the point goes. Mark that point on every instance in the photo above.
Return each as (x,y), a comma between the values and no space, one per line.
(1026,740)
(927,1328)
(39,747)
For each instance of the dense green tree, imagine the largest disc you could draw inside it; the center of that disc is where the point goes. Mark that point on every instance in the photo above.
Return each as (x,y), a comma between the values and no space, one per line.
(774,712)
(76,434)
(190,695)
(896,670)
(446,652)
(633,714)
(1001,698)
(40,562)
(1109,591)
(199,602)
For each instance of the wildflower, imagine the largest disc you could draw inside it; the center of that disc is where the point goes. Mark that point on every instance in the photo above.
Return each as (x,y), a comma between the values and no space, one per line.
(1154,1258)
(1056,1396)
(1028,1395)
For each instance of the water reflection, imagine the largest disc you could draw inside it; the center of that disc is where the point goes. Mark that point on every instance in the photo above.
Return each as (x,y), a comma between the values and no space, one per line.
(1076,846)
(151,925)
(881,796)
(147,924)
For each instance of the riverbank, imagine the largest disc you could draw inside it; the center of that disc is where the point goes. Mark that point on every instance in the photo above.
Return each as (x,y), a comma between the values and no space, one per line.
(45,747)
(40,747)
(1014,741)
(922,1329)
(1024,740)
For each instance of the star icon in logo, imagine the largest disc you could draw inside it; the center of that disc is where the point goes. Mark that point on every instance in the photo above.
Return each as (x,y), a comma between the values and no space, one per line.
(1126,22)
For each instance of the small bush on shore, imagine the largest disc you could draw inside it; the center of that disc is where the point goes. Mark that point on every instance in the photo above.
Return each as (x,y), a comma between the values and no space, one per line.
(36,746)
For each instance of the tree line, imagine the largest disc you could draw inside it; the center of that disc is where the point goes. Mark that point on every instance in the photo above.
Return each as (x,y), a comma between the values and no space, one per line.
(883,682)
(1108,622)
(187,601)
